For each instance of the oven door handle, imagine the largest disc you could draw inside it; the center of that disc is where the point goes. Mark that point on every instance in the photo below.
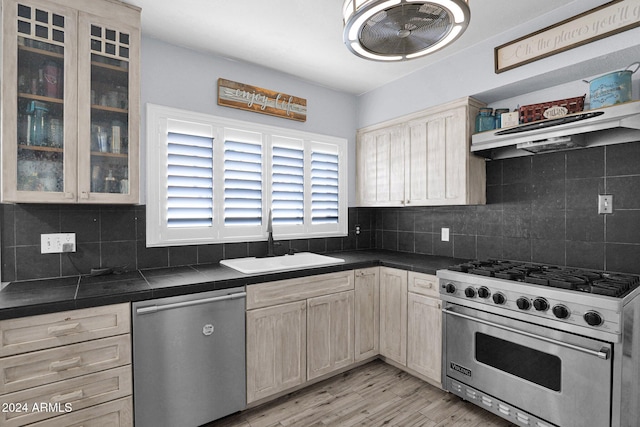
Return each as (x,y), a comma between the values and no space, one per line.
(603,353)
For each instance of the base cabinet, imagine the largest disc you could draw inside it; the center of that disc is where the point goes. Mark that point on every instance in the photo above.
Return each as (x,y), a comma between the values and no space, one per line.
(276,349)
(393,314)
(367,313)
(298,330)
(424,345)
(70,368)
(329,333)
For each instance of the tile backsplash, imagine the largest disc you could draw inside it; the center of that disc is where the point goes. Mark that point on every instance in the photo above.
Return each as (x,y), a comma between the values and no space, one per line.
(114,236)
(539,208)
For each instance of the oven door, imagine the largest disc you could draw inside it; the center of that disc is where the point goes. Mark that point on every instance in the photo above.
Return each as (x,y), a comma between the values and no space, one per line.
(559,377)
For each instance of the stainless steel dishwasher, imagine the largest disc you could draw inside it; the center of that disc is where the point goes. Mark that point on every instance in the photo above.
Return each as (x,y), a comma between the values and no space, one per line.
(189,358)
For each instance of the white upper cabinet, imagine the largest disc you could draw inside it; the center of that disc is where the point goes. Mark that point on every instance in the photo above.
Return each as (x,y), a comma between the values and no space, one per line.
(422,159)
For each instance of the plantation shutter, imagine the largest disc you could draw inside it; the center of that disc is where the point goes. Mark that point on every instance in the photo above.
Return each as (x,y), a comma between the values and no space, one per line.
(324,187)
(189,181)
(242,183)
(287,183)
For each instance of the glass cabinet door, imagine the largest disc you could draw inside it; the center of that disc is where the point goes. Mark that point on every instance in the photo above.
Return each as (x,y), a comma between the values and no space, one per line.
(108,147)
(41,150)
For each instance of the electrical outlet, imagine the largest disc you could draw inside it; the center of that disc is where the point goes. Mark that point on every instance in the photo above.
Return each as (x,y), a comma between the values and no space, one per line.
(444,235)
(57,243)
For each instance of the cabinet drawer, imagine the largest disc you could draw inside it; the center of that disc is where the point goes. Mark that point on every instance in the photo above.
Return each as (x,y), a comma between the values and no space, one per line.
(47,366)
(118,413)
(68,327)
(283,291)
(67,396)
(423,284)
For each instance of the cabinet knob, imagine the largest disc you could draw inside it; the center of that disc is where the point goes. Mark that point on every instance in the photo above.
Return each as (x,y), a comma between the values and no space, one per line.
(84,195)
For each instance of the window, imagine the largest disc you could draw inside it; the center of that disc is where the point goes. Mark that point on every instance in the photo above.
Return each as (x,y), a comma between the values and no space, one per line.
(212,180)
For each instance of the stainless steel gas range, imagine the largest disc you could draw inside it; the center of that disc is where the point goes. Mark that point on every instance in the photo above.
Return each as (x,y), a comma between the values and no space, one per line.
(543,345)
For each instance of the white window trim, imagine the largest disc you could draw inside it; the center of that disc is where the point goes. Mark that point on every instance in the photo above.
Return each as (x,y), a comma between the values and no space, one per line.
(160,119)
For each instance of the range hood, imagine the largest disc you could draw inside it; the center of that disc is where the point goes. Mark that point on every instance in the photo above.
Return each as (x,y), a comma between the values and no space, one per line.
(610,125)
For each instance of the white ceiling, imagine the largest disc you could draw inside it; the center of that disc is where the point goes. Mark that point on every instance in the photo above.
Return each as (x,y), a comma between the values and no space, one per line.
(304,37)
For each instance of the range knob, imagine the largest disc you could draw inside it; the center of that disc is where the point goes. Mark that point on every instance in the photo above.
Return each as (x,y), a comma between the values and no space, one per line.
(470,292)
(593,318)
(499,298)
(483,292)
(523,303)
(540,304)
(560,311)
(450,288)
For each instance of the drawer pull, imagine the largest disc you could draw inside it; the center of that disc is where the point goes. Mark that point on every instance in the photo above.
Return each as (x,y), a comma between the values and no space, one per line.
(63,365)
(58,330)
(74,395)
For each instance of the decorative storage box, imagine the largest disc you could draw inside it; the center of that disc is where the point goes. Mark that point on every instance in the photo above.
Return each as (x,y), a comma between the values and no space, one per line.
(534,112)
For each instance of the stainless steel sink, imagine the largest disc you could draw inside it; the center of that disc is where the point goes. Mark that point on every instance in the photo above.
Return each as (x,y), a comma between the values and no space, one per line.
(253,265)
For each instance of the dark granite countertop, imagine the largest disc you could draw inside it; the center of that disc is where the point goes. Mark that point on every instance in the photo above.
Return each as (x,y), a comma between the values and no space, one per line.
(28,298)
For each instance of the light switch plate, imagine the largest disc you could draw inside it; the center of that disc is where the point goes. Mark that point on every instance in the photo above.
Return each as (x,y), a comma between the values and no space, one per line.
(444,235)
(57,243)
(605,203)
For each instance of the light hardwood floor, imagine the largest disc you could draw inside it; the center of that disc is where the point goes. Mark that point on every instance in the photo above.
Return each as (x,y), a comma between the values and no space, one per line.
(375,394)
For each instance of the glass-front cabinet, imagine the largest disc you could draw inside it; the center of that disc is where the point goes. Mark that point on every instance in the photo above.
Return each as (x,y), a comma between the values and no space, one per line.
(70,101)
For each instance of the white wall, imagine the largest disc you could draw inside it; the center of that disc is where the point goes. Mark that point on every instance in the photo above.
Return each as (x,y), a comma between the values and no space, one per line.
(187,79)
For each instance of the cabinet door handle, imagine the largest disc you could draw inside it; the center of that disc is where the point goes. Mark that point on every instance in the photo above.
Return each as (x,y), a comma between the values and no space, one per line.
(63,365)
(69,328)
(74,395)
(84,195)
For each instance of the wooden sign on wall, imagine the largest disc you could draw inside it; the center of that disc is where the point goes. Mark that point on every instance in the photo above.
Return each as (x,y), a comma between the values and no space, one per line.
(251,98)
(603,21)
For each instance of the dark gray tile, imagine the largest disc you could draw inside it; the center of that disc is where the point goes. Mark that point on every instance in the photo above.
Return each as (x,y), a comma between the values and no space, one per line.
(464,246)
(364,240)
(465,220)
(585,226)
(548,195)
(548,224)
(31,264)
(423,243)
(334,244)
(117,224)
(517,170)
(623,159)
(583,193)
(494,172)
(516,248)
(585,255)
(86,257)
(489,222)
(548,167)
(442,248)
(318,245)
(516,224)
(585,163)
(390,219)
(622,227)
(489,247)
(85,223)
(33,220)
(235,250)
(208,254)
(366,218)
(548,251)
(406,241)
(183,255)
(151,257)
(625,191)
(494,196)
(257,248)
(623,258)
(406,220)
(423,221)
(517,196)
(121,255)
(390,240)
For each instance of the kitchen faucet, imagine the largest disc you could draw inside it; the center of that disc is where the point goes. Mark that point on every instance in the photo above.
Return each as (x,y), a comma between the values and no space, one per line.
(270,242)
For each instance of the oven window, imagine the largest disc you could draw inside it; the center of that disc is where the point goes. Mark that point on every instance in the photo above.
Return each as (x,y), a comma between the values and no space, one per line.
(524,362)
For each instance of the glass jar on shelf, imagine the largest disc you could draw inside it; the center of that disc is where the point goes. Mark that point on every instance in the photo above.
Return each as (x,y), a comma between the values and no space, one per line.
(485,120)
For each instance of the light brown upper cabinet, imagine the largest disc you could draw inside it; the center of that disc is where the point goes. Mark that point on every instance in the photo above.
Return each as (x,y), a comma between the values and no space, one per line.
(422,159)
(70,101)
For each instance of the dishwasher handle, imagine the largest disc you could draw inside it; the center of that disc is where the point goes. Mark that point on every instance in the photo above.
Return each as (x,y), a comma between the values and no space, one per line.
(163,307)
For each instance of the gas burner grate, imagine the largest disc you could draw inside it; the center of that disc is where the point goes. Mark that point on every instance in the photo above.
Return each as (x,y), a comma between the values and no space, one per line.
(595,282)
